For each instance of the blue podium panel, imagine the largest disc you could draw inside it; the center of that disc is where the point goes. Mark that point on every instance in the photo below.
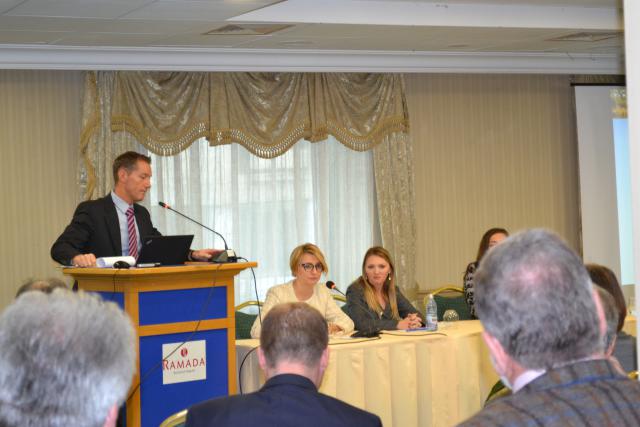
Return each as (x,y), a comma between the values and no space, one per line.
(182,305)
(159,400)
(117,297)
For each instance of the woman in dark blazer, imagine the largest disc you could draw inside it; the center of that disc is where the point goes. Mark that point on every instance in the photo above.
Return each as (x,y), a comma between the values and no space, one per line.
(373,301)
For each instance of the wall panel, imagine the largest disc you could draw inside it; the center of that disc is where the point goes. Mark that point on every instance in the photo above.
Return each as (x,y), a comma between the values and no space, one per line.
(490,150)
(39,134)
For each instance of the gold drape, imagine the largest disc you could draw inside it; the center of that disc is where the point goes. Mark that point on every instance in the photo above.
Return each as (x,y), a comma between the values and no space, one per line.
(264,112)
(395,194)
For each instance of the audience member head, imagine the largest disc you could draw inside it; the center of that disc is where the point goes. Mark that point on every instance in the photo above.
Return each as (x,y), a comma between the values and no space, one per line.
(128,161)
(490,238)
(307,262)
(43,285)
(378,271)
(606,279)
(611,317)
(67,359)
(294,339)
(536,303)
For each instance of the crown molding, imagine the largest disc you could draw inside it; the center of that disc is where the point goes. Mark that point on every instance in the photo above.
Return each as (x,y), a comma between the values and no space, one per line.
(49,57)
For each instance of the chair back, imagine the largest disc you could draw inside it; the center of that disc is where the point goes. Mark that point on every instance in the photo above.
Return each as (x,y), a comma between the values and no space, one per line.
(497,391)
(179,419)
(339,298)
(244,321)
(451,297)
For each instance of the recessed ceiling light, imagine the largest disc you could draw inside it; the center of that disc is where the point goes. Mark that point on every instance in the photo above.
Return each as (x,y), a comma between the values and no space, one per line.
(296,43)
(247,29)
(587,37)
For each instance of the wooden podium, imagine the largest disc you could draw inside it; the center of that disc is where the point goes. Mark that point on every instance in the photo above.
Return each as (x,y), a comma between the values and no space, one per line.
(184,321)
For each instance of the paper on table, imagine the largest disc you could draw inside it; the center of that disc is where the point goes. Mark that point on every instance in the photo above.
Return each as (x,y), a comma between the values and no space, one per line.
(107,262)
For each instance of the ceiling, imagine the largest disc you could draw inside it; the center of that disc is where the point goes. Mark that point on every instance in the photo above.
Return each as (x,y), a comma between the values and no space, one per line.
(302,35)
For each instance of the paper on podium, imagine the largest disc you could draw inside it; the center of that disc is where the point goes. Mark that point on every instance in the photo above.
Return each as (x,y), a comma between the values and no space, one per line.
(107,262)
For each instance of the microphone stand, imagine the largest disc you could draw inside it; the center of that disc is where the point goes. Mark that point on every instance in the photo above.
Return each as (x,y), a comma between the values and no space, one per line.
(228,255)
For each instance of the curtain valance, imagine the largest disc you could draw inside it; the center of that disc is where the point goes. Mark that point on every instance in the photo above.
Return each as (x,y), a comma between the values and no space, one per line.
(264,112)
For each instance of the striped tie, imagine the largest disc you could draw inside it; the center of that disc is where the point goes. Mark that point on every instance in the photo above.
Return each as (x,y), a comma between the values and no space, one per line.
(133,240)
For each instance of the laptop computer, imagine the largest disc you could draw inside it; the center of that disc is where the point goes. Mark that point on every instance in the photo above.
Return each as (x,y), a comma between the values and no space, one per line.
(165,250)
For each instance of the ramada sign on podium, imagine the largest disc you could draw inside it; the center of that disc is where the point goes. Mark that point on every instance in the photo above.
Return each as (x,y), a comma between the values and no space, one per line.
(185,325)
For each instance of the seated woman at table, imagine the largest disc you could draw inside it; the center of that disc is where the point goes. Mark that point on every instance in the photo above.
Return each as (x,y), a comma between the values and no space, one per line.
(624,346)
(373,300)
(490,238)
(307,265)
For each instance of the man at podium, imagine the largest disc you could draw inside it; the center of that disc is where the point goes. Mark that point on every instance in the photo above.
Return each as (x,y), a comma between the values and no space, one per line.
(113,225)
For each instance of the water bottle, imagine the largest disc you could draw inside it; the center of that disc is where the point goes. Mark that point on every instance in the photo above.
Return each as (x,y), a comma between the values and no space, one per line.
(432,314)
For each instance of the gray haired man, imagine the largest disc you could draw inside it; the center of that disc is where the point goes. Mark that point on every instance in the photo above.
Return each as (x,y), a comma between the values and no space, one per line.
(66,359)
(544,326)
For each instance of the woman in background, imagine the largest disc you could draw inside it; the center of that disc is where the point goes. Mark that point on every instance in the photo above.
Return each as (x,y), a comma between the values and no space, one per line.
(373,300)
(625,344)
(490,238)
(307,265)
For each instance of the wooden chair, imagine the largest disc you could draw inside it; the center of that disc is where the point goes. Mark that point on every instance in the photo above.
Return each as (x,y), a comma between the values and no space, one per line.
(179,419)
(244,321)
(497,391)
(339,298)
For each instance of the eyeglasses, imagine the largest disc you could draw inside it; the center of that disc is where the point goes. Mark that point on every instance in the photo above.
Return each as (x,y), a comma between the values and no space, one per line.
(309,267)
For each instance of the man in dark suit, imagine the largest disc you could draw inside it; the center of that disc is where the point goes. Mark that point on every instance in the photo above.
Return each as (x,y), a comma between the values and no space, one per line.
(99,228)
(544,326)
(293,353)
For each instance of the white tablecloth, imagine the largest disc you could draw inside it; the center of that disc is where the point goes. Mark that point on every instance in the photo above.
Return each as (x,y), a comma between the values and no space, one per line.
(414,379)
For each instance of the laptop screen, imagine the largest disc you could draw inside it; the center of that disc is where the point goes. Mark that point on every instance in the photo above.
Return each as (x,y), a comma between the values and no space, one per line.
(166,250)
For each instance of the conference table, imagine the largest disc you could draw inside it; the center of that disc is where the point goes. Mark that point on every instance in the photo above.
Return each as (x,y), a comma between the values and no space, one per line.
(407,378)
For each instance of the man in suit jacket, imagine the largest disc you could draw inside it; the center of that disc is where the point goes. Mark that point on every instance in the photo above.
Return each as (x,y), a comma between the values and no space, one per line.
(99,227)
(293,353)
(544,327)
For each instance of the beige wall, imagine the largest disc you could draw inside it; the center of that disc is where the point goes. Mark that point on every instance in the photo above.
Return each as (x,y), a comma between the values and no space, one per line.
(39,128)
(489,150)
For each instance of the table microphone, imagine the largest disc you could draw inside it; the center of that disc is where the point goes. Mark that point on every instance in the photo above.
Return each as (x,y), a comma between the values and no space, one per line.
(332,286)
(228,255)
(370,332)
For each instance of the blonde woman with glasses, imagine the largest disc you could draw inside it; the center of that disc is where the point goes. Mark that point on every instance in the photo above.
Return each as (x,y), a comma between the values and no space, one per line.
(307,265)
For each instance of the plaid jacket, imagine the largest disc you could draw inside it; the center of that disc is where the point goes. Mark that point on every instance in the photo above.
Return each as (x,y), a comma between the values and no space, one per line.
(589,393)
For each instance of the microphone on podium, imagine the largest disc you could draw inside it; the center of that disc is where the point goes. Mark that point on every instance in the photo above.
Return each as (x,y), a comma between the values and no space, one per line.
(369,332)
(228,255)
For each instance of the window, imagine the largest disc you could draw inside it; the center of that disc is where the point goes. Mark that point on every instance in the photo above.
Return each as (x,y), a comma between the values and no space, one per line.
(321,193)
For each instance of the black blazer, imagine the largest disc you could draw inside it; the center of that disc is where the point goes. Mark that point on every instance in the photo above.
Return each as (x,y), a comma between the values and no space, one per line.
(94,229)
(285,400)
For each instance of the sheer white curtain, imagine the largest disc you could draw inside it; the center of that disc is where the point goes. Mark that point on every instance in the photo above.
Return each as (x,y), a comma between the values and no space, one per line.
(321,193)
